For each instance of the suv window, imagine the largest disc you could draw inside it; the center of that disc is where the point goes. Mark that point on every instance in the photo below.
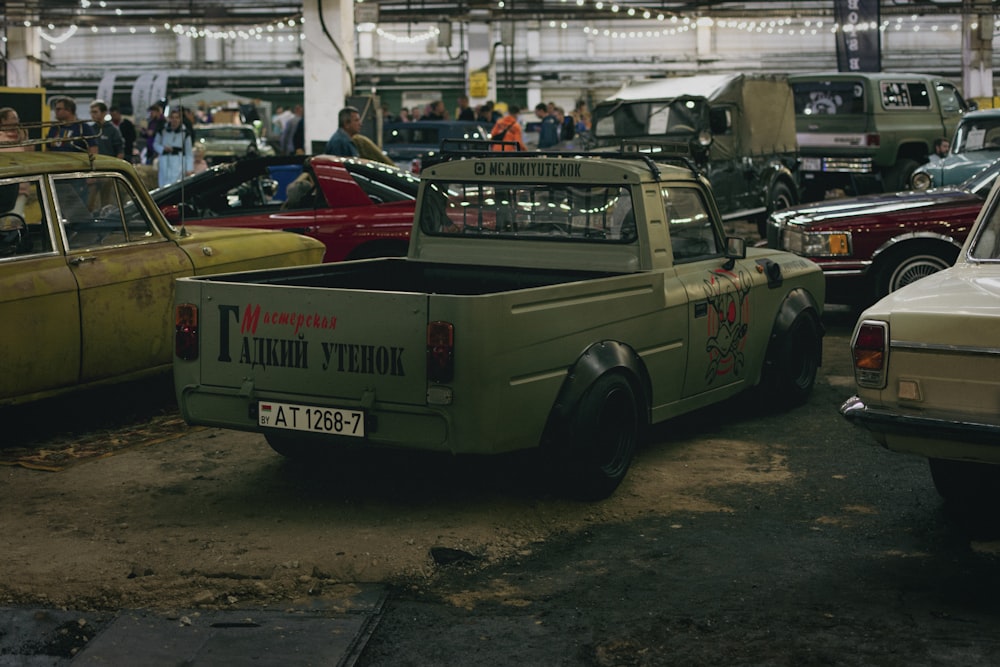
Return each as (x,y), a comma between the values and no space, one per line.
(950,99)
(817,98)
(905,95)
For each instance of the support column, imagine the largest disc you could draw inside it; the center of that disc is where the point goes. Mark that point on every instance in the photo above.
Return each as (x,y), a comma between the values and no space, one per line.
(481,71)
(977,51)
(533,95)
(328,65)
(24,65)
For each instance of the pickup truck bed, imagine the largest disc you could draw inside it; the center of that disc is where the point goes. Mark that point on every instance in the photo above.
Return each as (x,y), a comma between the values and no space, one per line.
(400,275)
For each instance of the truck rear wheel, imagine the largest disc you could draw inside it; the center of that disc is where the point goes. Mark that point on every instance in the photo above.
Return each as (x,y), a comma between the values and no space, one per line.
(780,198)
(601,438)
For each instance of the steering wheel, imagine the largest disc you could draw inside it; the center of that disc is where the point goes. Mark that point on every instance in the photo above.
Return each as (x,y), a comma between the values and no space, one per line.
(13,234)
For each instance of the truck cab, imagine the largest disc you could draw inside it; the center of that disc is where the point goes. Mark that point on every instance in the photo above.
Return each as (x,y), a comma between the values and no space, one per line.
(864,132)
(738,129)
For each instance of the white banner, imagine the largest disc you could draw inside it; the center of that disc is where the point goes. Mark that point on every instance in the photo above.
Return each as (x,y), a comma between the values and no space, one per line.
(106,89)
(149,87)
(141,94)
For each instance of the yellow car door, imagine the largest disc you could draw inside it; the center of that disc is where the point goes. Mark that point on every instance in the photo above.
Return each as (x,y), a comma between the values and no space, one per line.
(125,269)
(39,309)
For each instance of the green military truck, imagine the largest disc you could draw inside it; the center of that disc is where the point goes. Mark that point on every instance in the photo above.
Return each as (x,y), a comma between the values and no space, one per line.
(554,301)
(867,132)
(738,128)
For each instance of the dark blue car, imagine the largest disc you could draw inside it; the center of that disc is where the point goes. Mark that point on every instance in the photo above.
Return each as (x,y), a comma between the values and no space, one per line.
(407,143)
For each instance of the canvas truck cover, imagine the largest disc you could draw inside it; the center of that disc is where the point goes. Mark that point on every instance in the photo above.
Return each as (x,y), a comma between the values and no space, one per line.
(763,101)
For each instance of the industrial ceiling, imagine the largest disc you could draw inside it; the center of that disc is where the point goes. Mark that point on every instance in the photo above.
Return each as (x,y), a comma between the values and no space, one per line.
(86,13)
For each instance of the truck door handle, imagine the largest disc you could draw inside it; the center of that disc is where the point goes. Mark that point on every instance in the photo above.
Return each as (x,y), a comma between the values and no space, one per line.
(76,261)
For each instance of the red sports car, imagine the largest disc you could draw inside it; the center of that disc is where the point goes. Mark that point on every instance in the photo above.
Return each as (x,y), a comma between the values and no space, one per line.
(871,245)
(357,208)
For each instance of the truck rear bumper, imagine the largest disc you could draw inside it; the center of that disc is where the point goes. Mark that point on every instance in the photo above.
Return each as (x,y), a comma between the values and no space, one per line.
(398,426)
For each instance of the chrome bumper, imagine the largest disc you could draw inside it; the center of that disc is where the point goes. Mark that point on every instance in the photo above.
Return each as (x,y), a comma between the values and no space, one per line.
(923,426)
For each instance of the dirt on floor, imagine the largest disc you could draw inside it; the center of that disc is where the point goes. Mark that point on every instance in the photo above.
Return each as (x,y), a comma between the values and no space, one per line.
(740,536)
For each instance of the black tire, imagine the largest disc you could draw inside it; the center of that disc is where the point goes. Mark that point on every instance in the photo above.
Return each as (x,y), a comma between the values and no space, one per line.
(601,438)
(964,482)
(780,198)
(897,177)
(790,372)
(902,269)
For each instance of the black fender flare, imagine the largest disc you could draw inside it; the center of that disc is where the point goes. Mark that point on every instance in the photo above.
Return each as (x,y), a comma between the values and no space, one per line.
(796,302)
(594,362)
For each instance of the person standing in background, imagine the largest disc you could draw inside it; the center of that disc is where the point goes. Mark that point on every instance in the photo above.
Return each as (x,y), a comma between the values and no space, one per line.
(508,130)
(10,133)
(154,125)
(127,129)
(291,126)
(567,128)
(173,145)
(548,135)
(109,140)
(70,133)
(349,121)
(464,111)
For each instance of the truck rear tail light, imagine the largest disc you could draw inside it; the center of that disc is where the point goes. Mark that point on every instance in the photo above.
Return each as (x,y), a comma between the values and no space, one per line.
(186,331)
(873,140)
(440,351)
(871,353)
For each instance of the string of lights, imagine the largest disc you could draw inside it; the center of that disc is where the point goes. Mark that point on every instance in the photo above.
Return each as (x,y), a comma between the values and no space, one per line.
(283,30)
(676,25)
(289,29)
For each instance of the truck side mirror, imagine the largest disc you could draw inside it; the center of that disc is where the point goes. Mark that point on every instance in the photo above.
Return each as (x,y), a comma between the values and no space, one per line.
(736,248)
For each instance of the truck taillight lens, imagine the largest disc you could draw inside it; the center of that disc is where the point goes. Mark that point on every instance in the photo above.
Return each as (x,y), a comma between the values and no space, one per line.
(186,331)
(870,349)
(440,351)
(873,140)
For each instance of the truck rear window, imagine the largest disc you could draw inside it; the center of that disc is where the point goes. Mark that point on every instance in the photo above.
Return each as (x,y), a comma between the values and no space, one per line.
(819,98)
(579,212)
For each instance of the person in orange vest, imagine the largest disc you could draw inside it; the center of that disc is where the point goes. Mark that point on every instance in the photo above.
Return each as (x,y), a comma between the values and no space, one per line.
(507,129)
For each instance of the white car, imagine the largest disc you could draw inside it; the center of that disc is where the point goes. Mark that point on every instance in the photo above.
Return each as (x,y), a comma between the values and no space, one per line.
(225,143)
(927,367)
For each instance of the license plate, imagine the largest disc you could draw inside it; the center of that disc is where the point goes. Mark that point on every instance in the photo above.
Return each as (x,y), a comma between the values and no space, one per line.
(811,164)
(294,417)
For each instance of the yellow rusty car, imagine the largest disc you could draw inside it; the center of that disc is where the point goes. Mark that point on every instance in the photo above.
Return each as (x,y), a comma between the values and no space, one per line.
(87,270)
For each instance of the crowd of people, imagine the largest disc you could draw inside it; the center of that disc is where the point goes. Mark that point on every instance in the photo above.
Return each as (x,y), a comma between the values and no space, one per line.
(505,128)
(161,141)
(489,113)
(165,140)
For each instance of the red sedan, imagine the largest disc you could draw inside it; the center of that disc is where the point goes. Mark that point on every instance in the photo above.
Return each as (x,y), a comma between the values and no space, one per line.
(871,245)
(357,208)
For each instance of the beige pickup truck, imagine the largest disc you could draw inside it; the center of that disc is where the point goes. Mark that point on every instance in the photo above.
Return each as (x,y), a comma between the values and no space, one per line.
(554,301)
